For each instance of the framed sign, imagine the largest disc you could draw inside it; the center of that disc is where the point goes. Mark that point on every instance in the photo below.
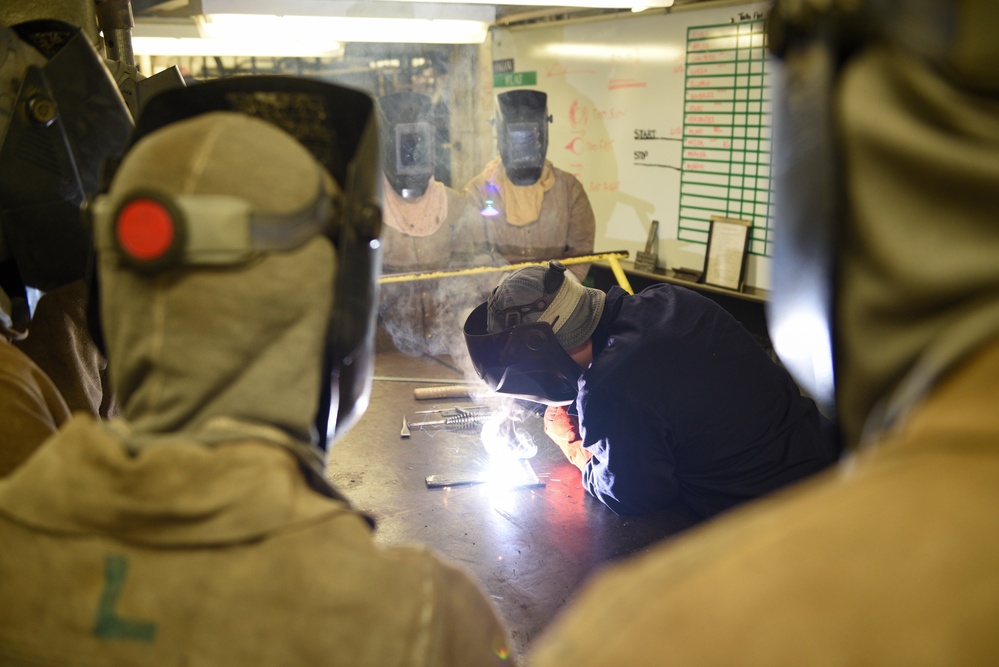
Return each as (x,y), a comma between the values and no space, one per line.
(725,260)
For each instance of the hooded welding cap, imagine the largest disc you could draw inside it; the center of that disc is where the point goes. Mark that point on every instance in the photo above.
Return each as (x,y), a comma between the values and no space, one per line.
(523,134)
(60,116)
(885,170)
(148,232)
(408,139)
(519,339)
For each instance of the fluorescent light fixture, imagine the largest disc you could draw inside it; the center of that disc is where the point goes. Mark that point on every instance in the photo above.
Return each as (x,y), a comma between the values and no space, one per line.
(315,29)
(308,28)
(647,53)
(171,37)
(641,8)
(593,4)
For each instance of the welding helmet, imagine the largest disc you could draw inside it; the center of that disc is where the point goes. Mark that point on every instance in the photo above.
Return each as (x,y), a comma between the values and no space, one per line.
(408,138)
(66,116)
(877,105)
(151,233)
(74,12)
(523,361)
(518,339)
(522,134)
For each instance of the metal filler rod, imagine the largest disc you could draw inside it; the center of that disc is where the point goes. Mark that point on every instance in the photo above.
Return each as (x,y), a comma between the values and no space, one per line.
(612,258)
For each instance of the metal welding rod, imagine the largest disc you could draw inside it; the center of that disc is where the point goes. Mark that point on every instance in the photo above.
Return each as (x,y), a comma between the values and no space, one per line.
(448,391)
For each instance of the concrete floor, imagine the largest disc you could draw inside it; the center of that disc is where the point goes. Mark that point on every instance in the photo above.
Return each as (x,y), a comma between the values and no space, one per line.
(530,548)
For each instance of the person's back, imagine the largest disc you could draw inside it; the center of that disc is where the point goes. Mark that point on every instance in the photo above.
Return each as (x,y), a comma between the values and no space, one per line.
(198,529)
(692,407)
(221,555)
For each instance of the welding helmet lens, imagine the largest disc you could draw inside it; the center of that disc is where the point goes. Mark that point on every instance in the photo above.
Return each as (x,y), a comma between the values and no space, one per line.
(524,361)
(523,134)
(408,139)
(414,148)
(523,144)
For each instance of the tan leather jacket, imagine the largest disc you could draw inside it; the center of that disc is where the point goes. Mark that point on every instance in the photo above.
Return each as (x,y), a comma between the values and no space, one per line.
(187,554)
(31,408)
(565,226)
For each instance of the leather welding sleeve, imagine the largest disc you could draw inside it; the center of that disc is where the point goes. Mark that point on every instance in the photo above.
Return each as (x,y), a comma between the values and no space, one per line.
(632,468)
(563,429)
(31,406)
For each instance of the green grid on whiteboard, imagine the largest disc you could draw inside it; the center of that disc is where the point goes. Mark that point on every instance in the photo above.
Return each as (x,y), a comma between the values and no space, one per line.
(726,132)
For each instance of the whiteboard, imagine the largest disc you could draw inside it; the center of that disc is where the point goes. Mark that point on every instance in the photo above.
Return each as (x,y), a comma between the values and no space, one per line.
(662,117)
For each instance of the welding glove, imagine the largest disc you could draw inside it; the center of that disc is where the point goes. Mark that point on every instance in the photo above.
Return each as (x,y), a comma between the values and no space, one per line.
(563,429)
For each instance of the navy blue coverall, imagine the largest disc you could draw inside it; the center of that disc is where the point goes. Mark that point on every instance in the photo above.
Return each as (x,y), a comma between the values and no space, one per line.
(681,402)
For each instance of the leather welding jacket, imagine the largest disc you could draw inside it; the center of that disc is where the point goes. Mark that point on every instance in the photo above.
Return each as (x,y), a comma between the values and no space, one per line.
(681,402)
(31,408)
(423,316)
(187,554)
(565,225)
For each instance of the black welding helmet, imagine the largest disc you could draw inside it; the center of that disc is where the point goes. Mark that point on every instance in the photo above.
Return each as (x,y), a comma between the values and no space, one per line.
(408,138)
(66,117)
(336,125)
(522,134)
(518,339)
(522,362)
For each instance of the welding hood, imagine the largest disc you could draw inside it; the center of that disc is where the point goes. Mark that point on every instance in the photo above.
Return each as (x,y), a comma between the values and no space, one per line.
(337,126)
(524,361)
(523,134)
(68,116)
(408,138)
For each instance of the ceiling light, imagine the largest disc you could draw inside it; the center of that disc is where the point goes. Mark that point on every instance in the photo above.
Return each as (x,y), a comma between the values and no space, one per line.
(307,28)
(592,4)
(343,28)
(173,37)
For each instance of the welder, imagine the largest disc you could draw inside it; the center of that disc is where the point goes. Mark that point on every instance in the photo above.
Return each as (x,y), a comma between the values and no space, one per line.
(887,295)
(60,115)
(530,209)
(657,397)
(237,283)
(428,226)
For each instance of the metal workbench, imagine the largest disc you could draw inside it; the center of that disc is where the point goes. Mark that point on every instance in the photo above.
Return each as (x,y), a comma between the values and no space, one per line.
(529,548)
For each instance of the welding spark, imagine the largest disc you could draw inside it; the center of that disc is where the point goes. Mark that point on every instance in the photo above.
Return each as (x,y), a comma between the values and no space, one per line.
(504,436)
(509,446)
